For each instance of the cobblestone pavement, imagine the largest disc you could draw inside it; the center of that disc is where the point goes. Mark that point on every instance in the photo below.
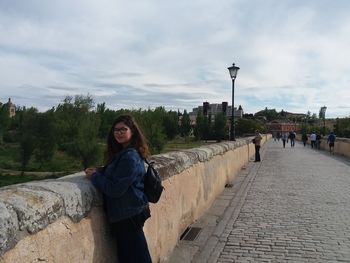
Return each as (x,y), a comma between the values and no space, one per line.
(294,206)
(297,209)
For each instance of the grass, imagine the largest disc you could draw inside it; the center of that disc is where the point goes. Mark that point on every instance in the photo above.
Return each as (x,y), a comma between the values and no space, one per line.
(61,161)
(180,143)
(6,179)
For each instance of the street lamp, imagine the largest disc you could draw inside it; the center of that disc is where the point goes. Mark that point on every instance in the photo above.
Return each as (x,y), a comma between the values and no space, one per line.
(233,73)
(323,115)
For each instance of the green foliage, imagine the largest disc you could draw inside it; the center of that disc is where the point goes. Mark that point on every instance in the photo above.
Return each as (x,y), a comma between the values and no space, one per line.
(171,124)
(220,130)
(181,143)
(27,136)
(342,127)
(268,114)
(248,127)
(16,179)
(4,121)
(78,128)
(185,124)
(202,128)
(151,123)
(9,156)
(45,137)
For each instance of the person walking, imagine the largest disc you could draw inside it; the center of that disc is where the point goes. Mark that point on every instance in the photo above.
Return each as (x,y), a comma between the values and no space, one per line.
(278,136)
(291,137)
(121,183)
(313,139)
(318,141)
(284,139)
(304,138)
(330,140)
(257,141)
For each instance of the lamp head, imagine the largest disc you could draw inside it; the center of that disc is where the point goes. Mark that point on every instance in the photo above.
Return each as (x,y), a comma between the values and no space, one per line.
(233,71)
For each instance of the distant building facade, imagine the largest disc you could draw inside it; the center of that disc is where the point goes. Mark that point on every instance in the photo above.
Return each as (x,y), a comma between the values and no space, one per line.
(11,108)
(282,126)
(293,115)
(212,109)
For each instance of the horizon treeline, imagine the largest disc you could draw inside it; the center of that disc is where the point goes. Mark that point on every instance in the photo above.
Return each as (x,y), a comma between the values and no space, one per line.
(77,127)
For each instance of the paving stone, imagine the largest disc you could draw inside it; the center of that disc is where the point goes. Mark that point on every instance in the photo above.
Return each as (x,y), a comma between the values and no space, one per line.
(295,209)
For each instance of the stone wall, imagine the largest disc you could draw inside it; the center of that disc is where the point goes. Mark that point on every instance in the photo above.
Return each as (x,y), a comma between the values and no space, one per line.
(62,220)
(341,145)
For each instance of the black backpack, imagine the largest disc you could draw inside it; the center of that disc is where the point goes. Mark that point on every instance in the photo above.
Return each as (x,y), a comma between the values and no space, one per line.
(153,184)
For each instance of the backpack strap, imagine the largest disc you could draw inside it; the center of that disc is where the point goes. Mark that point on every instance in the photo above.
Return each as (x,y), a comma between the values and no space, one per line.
(148,163)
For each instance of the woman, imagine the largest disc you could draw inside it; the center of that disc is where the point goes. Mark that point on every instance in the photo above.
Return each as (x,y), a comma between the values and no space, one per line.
(121,182)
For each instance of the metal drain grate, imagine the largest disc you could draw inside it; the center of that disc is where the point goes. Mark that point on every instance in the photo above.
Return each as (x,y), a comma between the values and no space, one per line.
(190,233)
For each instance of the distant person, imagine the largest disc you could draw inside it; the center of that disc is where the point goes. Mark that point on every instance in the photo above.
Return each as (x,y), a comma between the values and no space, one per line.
(291,137)
(121,183)
(257,141)
(304,138)
(284,139)
(278,136)
(313,139)
(318,141)
(330,140)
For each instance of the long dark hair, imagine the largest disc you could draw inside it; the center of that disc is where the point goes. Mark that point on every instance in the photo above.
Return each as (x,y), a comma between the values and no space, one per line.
(138,140)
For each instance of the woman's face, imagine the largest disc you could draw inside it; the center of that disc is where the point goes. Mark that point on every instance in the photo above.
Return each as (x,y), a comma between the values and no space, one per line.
(122,133)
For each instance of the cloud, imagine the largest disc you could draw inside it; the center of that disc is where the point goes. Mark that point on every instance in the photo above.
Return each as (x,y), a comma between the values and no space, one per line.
(292,54)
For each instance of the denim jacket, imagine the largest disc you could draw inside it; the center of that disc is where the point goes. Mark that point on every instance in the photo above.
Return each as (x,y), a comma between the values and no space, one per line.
(121,183)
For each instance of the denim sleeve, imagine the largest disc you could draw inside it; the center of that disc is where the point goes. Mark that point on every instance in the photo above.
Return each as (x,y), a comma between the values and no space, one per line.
(123,175)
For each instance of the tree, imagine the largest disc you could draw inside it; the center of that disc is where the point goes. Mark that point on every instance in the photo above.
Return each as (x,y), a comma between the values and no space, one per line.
(342,127)
(4,120)
(185,124)
(171,124)
(220,128)
(248,127)
(269,114)
(45,137)
(84,145)
(26,135)
(202,128)
(151,123)
(78,128)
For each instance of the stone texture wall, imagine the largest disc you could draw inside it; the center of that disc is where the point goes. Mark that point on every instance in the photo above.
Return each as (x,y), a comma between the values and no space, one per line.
(341,145)
(62,221)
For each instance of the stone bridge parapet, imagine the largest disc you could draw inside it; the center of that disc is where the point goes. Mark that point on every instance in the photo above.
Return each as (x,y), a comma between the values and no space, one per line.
(62,220)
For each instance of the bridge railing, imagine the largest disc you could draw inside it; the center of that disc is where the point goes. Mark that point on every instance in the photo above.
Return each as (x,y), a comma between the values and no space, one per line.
(62,220)
(341,145)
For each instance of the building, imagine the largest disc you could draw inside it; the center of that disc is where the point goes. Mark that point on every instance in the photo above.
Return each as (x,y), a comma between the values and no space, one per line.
(282,126)
(209,109)
(290,115)
(11,108)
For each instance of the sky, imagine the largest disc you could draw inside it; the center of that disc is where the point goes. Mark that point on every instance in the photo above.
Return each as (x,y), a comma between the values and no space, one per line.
(293,54)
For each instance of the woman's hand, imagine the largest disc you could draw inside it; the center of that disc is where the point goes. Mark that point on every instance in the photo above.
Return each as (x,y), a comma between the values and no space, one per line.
(89,172)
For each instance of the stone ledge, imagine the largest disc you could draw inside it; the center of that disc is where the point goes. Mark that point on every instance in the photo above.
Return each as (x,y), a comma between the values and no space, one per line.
(169,164)
(28,208)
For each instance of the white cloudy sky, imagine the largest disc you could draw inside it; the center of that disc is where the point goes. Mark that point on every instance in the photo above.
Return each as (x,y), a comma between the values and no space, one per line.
(293,54)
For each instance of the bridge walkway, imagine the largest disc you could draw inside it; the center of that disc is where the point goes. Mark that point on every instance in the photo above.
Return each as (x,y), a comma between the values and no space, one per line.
(293,206)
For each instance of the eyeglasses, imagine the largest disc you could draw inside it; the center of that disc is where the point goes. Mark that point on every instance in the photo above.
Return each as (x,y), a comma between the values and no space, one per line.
(120,130)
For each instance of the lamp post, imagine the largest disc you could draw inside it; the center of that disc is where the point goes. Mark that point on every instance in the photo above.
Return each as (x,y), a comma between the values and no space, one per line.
(233,73)
(323,113)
